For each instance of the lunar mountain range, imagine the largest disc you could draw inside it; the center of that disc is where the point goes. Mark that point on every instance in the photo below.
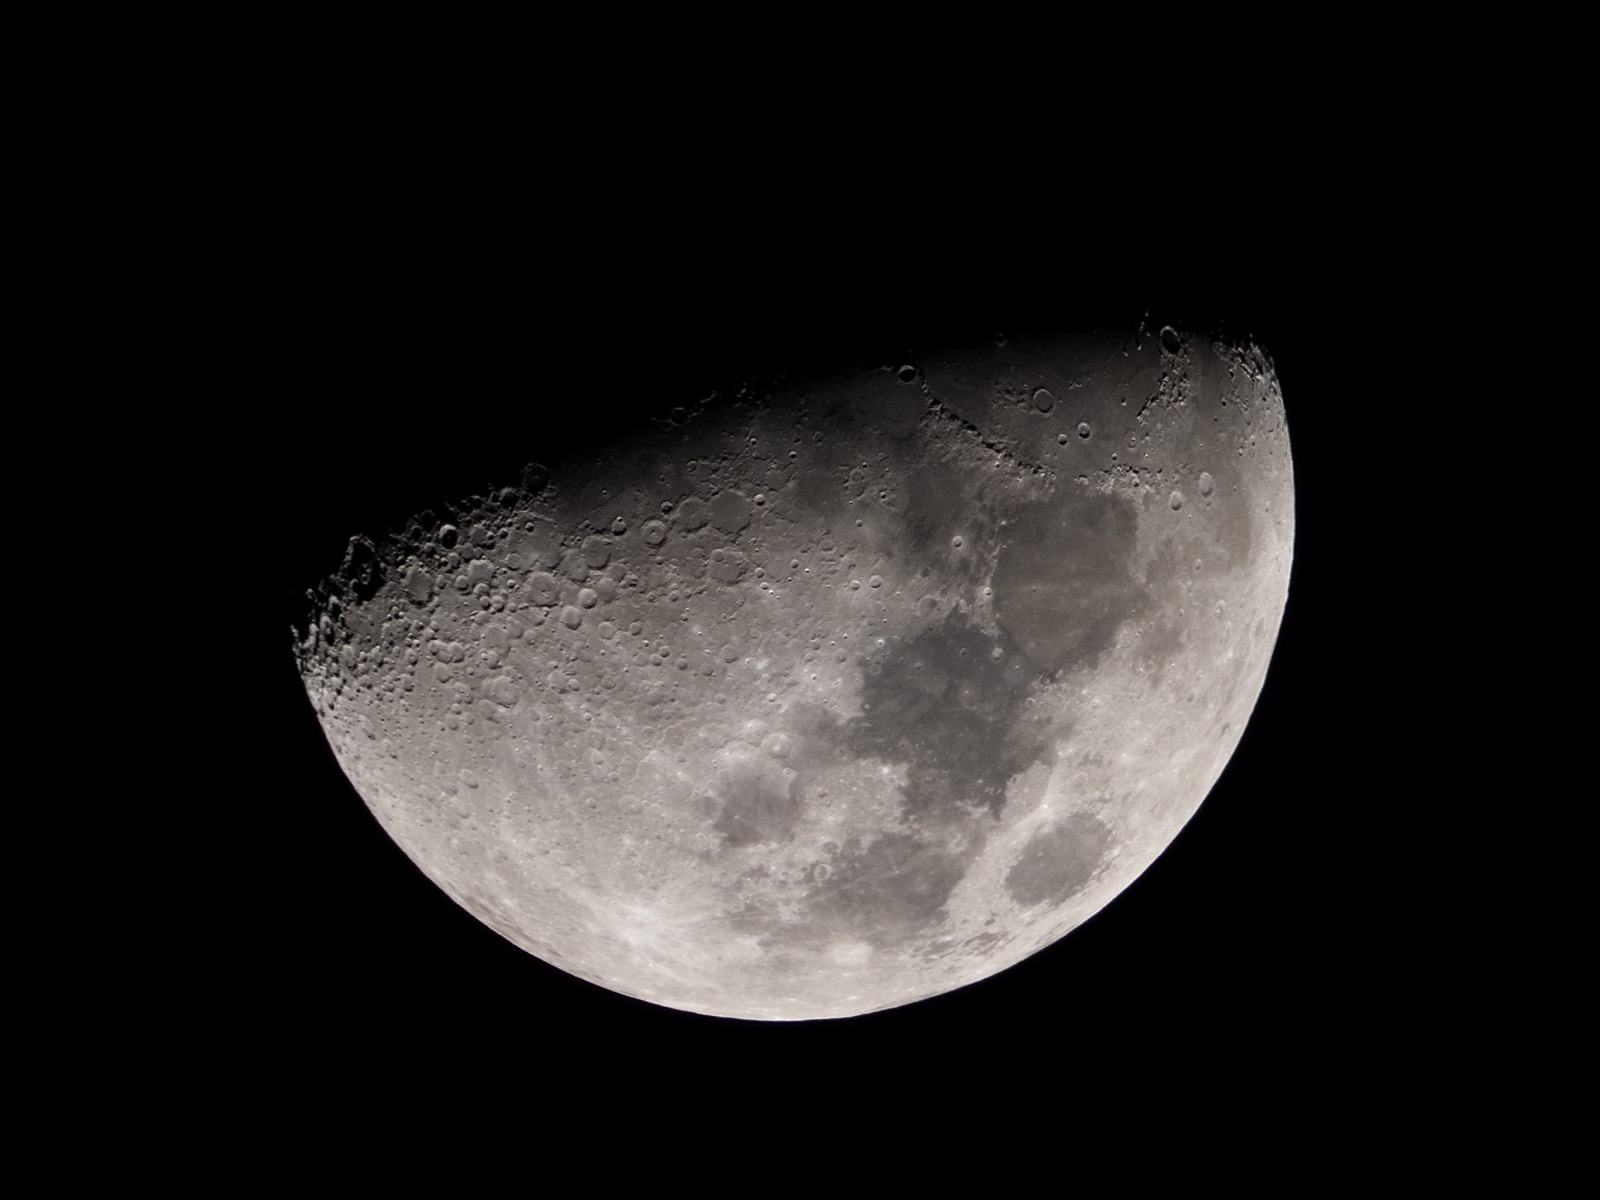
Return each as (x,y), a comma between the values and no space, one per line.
(832,693)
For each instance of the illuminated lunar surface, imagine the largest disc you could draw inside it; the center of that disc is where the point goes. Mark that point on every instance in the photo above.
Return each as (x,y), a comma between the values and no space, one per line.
(836,694)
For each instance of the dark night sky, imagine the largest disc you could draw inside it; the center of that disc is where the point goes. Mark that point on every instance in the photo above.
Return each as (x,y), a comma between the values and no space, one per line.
(399,373)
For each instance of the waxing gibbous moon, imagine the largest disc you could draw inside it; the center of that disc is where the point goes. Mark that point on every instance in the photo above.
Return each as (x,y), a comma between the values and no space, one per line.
(835,693)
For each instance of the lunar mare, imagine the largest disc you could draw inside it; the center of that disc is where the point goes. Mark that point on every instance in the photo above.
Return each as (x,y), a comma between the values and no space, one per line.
(836,694)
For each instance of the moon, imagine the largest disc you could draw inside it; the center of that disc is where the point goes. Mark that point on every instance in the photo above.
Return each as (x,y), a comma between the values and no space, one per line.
(831,693)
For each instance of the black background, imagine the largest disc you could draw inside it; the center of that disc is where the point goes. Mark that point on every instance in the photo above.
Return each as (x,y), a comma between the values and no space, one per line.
(405,354)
